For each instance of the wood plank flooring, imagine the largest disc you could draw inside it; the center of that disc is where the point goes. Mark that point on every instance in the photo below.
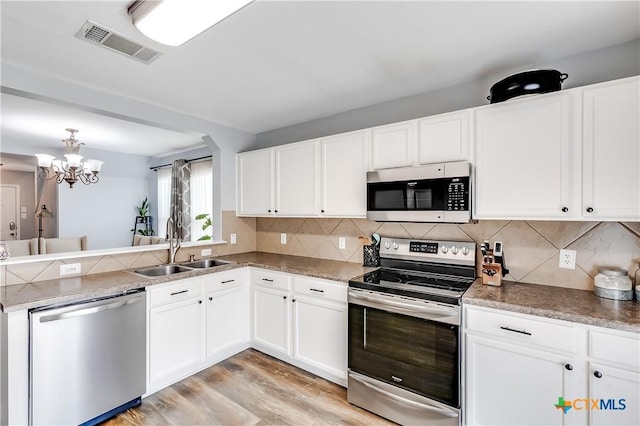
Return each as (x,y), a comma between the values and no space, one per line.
(250,388)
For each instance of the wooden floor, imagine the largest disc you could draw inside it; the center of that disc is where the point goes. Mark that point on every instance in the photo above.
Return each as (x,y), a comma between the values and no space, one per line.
(250,388)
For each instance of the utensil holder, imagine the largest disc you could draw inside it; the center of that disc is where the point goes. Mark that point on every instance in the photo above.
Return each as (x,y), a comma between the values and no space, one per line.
(371,255)
(492,274)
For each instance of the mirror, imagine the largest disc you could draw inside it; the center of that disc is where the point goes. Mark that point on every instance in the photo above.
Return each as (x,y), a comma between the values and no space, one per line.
(105,211)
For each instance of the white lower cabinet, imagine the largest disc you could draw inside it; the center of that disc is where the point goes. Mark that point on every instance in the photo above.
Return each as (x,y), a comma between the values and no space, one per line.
(175,330)
(521,369)
(320,326)
(302,321)
(194,323)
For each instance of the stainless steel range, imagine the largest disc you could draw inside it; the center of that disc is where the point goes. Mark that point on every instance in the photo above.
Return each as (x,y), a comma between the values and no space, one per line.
(404,331)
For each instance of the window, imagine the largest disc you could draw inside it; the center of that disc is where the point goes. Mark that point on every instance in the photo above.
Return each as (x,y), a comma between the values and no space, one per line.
(201,190)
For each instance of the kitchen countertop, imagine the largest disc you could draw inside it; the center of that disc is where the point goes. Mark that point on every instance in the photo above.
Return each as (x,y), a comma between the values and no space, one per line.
(73,289)
(561,303)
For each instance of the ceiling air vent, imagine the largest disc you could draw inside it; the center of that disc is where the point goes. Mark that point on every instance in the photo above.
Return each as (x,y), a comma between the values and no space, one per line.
(104,37)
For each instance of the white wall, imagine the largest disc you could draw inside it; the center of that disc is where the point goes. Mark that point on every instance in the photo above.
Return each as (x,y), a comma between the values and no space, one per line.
(104,212)
(586,68)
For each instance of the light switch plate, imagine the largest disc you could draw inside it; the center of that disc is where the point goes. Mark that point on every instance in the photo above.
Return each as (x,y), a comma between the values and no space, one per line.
(205,252)
(283,238)
(567,259)
(233,238)
(70,269)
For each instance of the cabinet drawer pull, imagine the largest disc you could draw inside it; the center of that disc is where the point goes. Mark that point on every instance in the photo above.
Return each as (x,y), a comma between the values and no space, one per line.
(516,331)
(316,290)
(227,281)
(597,374)
(267,280)
(180,292)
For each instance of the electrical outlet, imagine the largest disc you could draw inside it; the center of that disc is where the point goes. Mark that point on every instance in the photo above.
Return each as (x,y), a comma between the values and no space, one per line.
(205,252)
(567,259)
(233,238)
(283,238)
(342,243)
(70,269)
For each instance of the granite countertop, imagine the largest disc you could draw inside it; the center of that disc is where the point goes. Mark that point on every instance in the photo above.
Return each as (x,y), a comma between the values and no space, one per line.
(73,289)
(561,303)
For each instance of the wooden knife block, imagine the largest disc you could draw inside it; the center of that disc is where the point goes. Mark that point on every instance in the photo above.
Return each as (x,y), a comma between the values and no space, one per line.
(491,271)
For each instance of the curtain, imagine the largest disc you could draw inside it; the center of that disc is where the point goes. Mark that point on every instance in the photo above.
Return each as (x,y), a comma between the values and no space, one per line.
(201,197)
(180,210)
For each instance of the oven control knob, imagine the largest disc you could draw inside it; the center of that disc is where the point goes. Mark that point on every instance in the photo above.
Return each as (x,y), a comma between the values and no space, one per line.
(454,250)
(395,245)
(387,245)
(444,249)
(465,251)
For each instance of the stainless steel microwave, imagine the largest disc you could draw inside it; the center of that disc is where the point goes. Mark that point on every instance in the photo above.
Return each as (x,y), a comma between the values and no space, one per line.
(431,193)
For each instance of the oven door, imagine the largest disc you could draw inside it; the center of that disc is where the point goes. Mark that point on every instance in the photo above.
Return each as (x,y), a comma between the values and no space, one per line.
(393,345)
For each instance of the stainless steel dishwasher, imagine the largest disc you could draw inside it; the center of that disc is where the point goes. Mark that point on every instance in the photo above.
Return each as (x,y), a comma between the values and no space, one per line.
(87,360)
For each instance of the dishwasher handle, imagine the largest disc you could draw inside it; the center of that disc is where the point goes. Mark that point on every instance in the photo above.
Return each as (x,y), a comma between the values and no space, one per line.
(80,311)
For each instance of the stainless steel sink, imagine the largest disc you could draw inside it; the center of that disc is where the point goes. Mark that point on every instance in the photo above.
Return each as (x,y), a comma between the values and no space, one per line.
(162,270)
(205,263)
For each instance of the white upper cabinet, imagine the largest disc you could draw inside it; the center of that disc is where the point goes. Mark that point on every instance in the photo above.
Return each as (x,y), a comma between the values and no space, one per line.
(393,145)
(523,163)
(297,172)
(611,151)
(444,137)
(254,179)
(344,175)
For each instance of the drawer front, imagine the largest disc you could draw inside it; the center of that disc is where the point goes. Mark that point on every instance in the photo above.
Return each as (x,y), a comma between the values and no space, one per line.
(320,288)
(614,349)
(523,329)
(223,280)
(182,290)
(271,279)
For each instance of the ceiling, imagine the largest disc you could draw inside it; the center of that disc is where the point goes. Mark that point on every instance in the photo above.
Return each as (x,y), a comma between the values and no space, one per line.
(278,63)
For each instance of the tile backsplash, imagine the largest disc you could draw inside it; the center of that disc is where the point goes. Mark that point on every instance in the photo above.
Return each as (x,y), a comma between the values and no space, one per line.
(532,248)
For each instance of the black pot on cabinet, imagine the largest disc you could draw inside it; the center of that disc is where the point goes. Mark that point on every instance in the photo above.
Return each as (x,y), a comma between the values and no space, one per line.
(525,83)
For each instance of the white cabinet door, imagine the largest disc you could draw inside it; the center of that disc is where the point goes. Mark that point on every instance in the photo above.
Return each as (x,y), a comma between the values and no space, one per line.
(254,174)
(320,334)
(227,319)
(619,394)
(611,143)
(513,385)
(271,319)
(393,145)
(297,177)
(175,339)
(444,138)
(523,159)
(344,175)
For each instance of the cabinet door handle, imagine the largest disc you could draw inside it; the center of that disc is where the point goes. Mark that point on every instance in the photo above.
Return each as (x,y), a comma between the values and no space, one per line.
(267,280)
(516,331)
(568,367)
(284,297)
(589,209)
(565,209)
(227,281)
(210,298)
(269,211)
(293,300)
(321,211)
(316,290)
(179,292)
(199,302)
(597,374)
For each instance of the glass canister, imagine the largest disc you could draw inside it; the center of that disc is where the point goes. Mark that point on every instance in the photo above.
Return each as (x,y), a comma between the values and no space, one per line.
(613,283)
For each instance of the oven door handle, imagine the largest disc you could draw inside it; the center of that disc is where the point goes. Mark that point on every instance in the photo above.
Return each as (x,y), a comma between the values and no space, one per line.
(444,411)
(445,312)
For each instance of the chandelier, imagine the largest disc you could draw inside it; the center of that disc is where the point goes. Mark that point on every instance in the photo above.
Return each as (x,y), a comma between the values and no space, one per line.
(73,168)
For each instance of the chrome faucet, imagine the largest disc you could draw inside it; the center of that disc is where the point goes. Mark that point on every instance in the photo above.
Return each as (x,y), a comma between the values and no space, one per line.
(174,241)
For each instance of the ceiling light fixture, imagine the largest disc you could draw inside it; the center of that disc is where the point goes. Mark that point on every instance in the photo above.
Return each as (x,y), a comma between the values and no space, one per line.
(71,170)
(173,22)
